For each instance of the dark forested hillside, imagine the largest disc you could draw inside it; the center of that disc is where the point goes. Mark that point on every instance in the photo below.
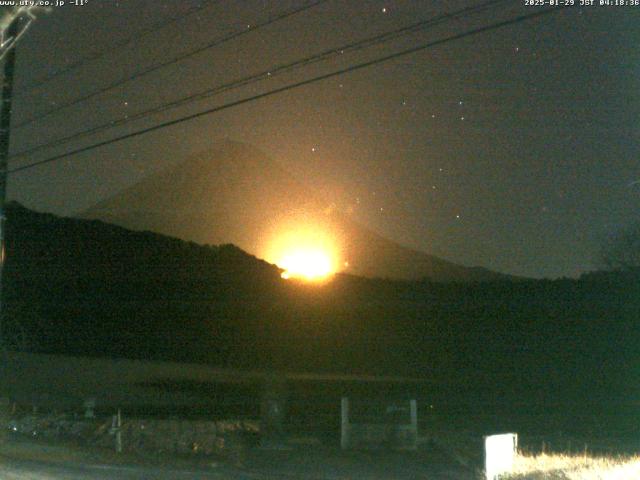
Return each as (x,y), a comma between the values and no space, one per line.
(86,287)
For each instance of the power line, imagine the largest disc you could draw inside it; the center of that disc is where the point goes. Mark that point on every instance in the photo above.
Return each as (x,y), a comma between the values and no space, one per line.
(269,73)
(102,53)
(292,86)
(157,66)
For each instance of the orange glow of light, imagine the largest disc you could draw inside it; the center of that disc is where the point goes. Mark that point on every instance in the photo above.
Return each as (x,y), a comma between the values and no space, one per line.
(307,264)
(306,248)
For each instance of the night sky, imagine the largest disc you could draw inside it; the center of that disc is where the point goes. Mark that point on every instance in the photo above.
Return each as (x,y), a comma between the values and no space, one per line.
(516,149)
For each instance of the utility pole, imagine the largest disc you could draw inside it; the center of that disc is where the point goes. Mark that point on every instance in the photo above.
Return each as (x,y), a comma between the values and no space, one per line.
(13,24)
(5,131)
(5,134)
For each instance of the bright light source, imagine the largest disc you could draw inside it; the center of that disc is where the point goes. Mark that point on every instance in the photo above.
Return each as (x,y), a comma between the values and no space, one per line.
(306,247)
(307,264)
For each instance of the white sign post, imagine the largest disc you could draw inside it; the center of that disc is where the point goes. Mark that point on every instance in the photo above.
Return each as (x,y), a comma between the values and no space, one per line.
(499,454)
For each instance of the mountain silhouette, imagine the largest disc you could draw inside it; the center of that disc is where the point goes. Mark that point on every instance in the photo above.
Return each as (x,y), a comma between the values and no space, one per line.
(234,193)
(87,288)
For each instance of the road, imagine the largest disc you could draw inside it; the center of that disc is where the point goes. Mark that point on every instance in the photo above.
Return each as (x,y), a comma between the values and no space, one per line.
(307,468)
(37,461)
(13,469)
(33,470)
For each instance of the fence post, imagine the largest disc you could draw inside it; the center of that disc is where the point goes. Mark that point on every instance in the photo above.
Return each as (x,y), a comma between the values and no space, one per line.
(273,412)
(413,407)
(116,429)
(119,433)
(344,424)
(89,406)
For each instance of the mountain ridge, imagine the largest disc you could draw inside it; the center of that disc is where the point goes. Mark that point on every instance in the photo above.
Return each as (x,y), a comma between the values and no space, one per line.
(234,193)
(80,287)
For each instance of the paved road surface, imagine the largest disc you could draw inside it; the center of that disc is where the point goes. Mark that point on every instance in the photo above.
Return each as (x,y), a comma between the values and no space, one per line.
(316,465)
(11,469)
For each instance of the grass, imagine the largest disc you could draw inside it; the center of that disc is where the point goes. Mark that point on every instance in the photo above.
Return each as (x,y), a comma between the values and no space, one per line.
(574,467)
